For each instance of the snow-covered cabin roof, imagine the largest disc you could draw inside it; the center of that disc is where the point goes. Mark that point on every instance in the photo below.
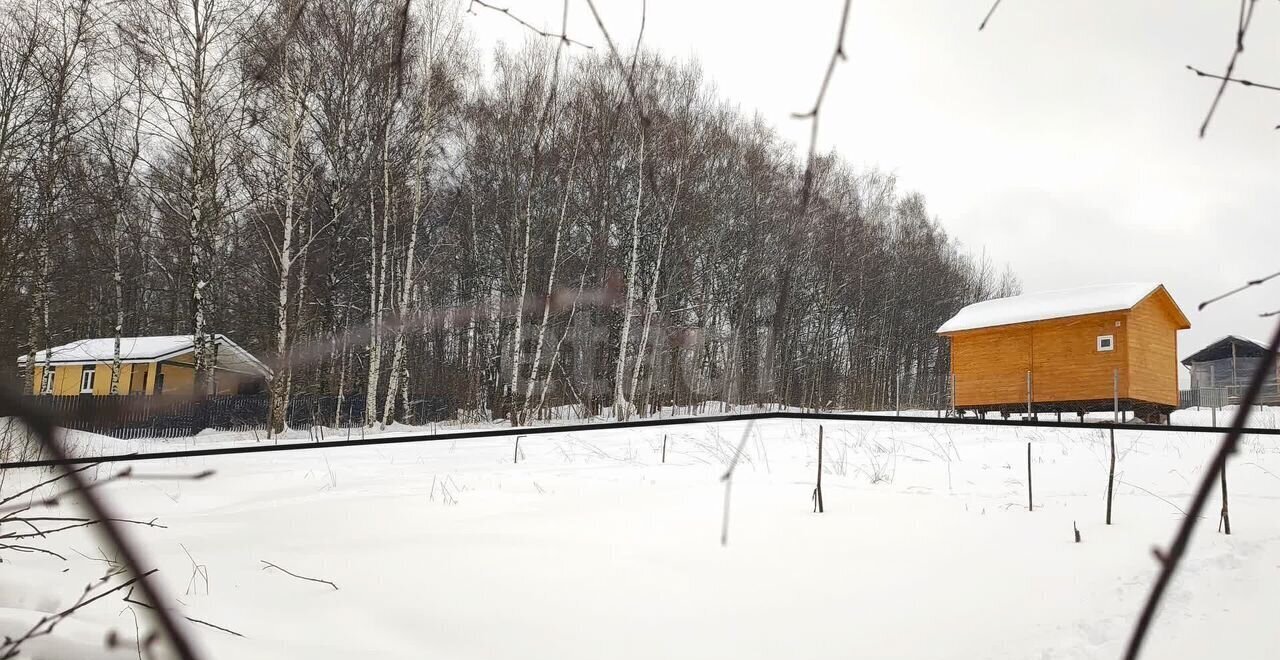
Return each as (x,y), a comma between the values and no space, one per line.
(1220,349)
(1058,304)
(148,349)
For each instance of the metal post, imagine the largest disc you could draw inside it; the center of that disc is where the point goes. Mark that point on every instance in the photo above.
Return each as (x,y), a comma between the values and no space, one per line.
(897,396)
(817,490)
(1111,477)
(1115,395)
(1030,503)
(1028,394)
(1224,522)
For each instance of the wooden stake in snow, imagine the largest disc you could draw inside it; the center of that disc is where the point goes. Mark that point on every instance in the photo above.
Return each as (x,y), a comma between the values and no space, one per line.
(1224,524)
(897,396)
(1115,395)
(515,454)
(1028,397)
(1111,478)
(664,447)
(817,490)
(1030,505)
(1076,529)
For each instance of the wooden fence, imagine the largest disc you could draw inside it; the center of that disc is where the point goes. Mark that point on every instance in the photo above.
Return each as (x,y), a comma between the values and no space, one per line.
(140,416)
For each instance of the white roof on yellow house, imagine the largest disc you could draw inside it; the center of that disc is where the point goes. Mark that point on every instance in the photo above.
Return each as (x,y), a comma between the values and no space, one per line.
(148,349)
(1058,304)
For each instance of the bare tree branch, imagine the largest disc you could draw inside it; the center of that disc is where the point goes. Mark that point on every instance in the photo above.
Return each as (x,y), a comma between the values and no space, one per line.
(1251,283)
(41,424)
(1182,538)
(617,58)
(56,498)
(1242,26)
(300,577)
(836,56)
(128,598)
(45,626)
(1227,79)
(727,478)
(564,38)
(983,24)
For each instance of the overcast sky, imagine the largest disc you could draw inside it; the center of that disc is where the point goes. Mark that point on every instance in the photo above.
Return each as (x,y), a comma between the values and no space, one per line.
(1062,140)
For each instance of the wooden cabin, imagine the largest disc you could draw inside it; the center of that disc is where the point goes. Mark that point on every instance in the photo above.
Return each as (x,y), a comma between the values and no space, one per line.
(148,366)
(1075,350)
(1221,371)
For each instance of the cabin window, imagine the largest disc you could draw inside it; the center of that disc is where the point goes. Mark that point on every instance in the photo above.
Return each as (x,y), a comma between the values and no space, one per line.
(86,379)
(46,381)
(1106,342)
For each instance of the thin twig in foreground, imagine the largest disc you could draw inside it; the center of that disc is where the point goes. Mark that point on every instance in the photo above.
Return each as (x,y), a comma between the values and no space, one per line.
(1251,283)
(47,623)
(813,115)
(42,425)
(1175,506)
(617,58)
(983,24)
(128,598)
(126,473)
(300,577)
(503,10)
(1242,26)
(1170,559)
(1238,81)
(46,482)
(727,478)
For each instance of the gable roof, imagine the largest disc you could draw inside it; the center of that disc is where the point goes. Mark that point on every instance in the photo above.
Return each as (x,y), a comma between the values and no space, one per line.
(148,349)
(1062,303)
(1221,349)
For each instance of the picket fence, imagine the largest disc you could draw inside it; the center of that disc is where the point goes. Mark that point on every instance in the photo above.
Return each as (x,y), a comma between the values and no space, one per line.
(139,416)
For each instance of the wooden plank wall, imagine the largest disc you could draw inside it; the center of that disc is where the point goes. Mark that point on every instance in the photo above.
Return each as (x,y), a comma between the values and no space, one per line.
(1153,354)
(1067,365)
(990,365)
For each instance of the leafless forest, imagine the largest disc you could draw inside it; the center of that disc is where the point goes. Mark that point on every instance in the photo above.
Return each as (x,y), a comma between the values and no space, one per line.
(505,231)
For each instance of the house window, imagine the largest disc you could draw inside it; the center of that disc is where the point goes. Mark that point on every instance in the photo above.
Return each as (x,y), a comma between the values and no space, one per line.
(1106,342)
(46,381)
(86,379)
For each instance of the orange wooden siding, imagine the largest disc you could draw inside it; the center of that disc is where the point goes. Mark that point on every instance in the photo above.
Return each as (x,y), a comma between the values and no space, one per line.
(990,365)
(1153,352)
(1066,362)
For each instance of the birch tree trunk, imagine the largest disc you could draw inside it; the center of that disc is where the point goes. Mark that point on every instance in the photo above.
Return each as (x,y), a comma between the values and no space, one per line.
(117,278)
(620,403)
(442,36)
(201,196)
(551,291)
(406,288)
(651,308)
(289,219)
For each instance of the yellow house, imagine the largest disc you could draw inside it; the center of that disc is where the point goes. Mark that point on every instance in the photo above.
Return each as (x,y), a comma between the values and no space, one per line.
(1072,350)
(149,366)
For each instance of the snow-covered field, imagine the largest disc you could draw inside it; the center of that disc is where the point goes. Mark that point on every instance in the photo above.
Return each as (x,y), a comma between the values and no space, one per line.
(591,547)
